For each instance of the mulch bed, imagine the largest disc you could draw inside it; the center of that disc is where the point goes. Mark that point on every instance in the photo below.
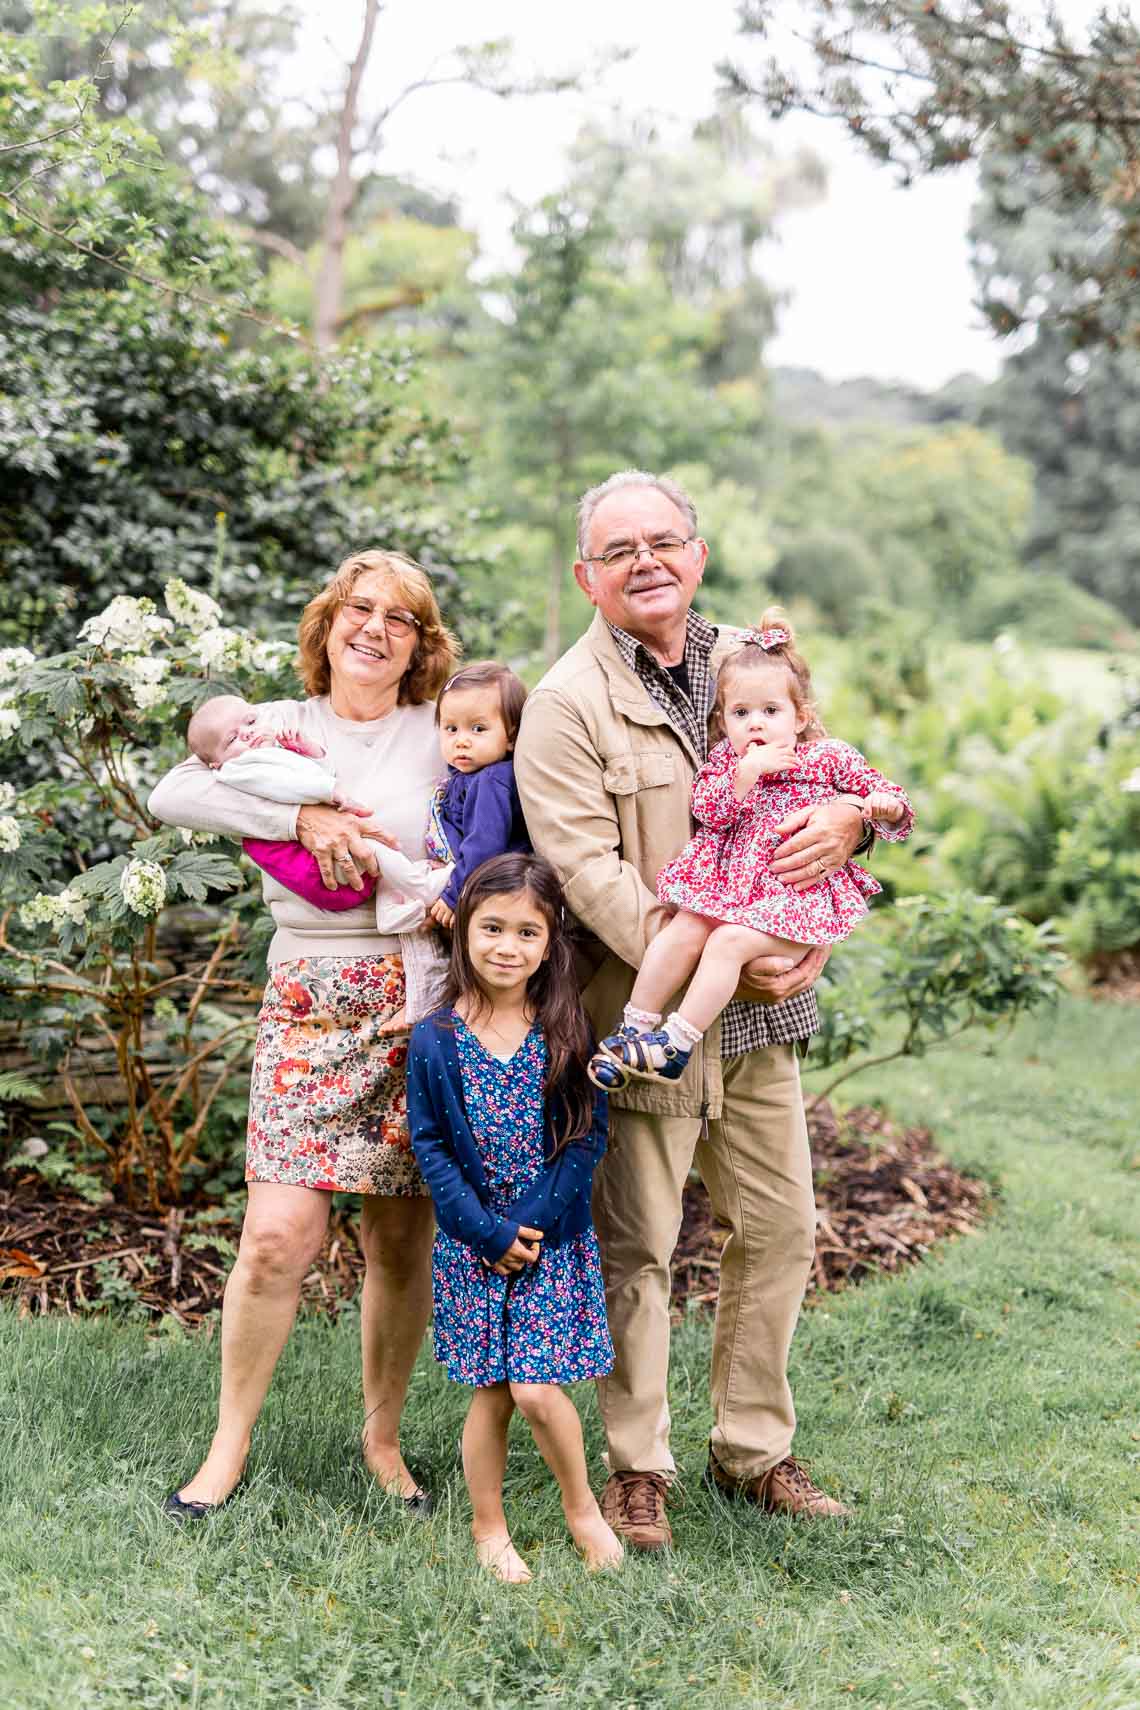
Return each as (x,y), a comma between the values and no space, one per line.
(884,1198)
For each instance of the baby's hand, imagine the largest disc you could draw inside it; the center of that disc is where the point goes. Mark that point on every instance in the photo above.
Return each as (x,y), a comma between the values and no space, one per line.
(880,805)
(292,739)
(346,805)
(761,759)
(441,914)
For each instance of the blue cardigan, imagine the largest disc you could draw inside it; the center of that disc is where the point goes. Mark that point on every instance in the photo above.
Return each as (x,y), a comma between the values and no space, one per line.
(558,1202)
(482,816)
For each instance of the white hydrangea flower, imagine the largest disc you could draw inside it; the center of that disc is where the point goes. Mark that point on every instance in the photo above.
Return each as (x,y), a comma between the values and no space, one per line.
(14,660)
(145,678)
(227,648)
(144,670)
(127,625)
(190,606)
(271,655)
(45,910)
(72,906)
(9,722)
(39,910)
(9,834)
(7,795)
(1132,782)
(143,884)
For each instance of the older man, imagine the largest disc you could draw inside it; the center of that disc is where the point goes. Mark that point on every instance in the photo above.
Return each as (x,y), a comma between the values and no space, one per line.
(610,741)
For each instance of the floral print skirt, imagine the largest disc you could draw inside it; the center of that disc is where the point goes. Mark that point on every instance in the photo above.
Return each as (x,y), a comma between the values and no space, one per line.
(327,1100)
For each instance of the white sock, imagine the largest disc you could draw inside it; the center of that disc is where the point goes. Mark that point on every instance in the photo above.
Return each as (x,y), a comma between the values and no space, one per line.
(682,1033)
(645,1020)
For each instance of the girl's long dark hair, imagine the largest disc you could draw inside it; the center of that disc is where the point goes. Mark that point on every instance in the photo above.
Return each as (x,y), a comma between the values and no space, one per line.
(552,989)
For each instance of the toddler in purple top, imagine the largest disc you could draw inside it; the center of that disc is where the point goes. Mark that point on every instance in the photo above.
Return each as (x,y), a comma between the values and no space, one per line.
(476,813)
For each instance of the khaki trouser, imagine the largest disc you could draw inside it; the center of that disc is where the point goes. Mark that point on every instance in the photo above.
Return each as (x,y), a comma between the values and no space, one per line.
(756,1165)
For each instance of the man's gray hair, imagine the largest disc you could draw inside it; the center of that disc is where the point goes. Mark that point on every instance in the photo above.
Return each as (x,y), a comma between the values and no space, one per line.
(590,501)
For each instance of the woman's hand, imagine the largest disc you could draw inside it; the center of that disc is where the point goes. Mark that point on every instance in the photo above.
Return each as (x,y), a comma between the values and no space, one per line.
(818,841)
(523,1250)
(759,984)
(340,844)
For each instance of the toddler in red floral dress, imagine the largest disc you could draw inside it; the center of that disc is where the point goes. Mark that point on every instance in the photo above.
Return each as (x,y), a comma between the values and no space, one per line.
(774,757)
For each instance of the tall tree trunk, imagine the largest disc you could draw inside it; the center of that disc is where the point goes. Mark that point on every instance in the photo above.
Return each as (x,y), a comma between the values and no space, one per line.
(330,279)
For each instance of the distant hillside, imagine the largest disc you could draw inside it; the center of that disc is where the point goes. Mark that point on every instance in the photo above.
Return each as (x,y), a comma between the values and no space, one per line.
(801,395)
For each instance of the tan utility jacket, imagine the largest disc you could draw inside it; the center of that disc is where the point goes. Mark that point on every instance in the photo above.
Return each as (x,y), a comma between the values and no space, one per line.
(605,783)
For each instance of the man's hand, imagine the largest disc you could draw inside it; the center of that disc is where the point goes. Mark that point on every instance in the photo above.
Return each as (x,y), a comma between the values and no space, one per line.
(340,844)
(818,840)
(523,1250)
(759,984)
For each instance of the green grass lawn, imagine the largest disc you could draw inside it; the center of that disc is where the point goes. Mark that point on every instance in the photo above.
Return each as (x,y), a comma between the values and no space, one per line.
(980,1413)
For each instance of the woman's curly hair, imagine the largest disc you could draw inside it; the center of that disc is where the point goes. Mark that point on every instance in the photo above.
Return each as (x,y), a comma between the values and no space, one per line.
(436,651)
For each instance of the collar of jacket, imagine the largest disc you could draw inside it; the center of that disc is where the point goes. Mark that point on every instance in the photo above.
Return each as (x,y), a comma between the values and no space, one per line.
(629,694)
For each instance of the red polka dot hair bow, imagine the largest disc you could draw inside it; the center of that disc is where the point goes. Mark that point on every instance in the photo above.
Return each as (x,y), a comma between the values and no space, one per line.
(766,638)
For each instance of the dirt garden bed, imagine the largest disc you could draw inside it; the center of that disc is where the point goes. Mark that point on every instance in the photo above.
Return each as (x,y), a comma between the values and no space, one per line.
(884,1198)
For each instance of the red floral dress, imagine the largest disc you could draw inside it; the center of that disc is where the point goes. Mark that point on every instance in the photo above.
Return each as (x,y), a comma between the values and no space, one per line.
(723,872)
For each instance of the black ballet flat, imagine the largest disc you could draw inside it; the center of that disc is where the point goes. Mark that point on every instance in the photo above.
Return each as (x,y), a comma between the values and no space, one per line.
(417,1506)
(188,1513)
(420,1505)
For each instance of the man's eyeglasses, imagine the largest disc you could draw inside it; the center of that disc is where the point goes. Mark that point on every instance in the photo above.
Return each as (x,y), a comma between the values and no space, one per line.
(397,622)
(666,546)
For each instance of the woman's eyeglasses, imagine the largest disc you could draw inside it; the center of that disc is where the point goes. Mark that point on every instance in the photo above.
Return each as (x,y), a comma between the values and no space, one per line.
(397,622)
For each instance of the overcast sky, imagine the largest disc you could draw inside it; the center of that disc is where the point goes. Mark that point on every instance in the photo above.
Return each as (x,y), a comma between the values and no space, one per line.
(878,277)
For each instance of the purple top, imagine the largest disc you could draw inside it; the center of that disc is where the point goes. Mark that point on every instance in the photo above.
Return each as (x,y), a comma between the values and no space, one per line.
(482,816)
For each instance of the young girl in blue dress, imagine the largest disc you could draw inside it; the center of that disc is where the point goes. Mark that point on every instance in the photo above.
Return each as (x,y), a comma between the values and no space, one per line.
(507,1131)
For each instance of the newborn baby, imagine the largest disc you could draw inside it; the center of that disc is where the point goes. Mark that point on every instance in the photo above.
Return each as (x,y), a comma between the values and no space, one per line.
(251,752)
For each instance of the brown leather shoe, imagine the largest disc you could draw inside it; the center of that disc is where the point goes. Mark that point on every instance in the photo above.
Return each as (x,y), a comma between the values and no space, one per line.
(783,1489)
(633,1503)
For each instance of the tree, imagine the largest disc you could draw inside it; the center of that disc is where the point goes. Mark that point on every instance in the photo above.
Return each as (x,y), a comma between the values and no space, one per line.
(135,438)
(1075,415)
(926,85)
(632,334)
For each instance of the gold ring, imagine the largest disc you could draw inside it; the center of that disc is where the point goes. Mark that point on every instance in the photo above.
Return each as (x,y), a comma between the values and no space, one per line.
(819,866)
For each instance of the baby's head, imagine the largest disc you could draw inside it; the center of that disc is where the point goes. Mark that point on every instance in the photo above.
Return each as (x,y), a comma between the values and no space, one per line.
(478,715)
(763,691)
(223,727)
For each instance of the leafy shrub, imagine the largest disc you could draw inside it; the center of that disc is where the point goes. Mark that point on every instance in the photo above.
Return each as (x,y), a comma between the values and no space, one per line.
(1044,609)
(940,967)
(1096,879)
(89,882)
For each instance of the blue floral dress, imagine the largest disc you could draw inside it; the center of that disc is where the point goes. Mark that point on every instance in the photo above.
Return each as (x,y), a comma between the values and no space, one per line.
(547,1322)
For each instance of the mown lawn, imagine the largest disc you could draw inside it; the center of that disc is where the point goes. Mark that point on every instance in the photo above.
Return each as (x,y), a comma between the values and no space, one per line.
(981,1413)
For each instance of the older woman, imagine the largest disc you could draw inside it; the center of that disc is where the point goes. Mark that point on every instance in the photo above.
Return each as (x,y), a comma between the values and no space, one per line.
(327,1108)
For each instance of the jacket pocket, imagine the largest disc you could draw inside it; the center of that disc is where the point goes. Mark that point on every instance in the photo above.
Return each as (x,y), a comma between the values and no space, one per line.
(627,773)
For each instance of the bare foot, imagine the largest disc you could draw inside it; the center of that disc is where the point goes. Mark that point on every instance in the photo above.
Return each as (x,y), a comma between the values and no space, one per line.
(219,1474)
(500,1558)
(388,1469)
(599,1545)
